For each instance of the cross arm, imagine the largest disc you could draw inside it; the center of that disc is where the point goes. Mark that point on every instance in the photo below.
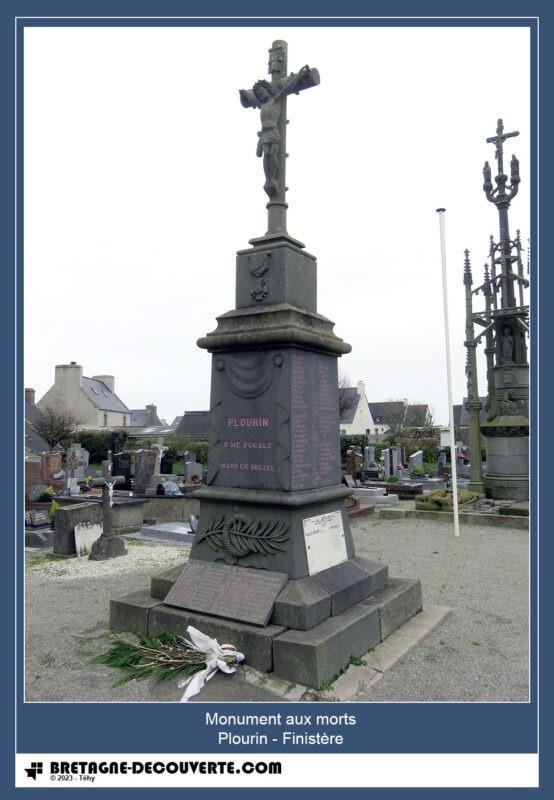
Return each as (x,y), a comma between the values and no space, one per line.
(303,79)
(112,479)
(248,99)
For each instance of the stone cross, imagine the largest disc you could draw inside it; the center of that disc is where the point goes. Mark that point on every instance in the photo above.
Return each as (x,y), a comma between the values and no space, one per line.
(271,99)
(108,545)
(502,196)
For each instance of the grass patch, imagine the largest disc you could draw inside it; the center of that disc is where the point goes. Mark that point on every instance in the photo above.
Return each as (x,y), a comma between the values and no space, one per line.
(477,643)
(353,661)
(38,561)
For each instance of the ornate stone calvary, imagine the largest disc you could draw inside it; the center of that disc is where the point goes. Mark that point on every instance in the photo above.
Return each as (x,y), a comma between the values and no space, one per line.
(273,566)
(505,323)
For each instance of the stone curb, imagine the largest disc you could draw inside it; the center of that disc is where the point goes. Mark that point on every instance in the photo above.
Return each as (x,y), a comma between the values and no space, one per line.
(356,680)
(466,518)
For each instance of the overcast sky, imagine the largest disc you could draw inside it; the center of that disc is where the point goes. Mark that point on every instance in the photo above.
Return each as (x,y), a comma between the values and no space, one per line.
(141,182)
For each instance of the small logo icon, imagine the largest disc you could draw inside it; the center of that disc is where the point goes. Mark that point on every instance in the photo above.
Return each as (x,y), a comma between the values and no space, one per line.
(34,770)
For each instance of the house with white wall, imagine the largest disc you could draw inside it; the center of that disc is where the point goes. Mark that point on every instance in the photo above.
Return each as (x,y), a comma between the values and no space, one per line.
(355,419)
(92,402)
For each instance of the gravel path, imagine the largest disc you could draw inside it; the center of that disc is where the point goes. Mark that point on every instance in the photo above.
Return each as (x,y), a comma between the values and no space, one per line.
(480,653)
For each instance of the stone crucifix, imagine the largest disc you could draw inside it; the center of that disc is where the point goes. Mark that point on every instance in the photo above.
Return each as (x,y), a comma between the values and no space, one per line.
(109,545)
(271,99)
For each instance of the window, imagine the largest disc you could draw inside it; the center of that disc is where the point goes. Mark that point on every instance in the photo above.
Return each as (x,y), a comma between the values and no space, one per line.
(104,392)
(94,390)
(105,420)
(124,420)
(367,431)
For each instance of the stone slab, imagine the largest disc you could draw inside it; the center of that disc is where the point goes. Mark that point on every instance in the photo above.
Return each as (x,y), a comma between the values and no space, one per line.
(398,601)
(302,605)
(38,538)
(386,500)
(86,533)
(245,595)
(392,513)
(161,584)
(364,492)
(402,641)
(64,524)
(168,532)
(351,582)
(255,642)
(515,509)
(314,657)
(130,612)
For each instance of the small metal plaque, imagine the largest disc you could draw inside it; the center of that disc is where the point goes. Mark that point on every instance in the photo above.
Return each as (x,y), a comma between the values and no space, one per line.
(324,540)
(239,593)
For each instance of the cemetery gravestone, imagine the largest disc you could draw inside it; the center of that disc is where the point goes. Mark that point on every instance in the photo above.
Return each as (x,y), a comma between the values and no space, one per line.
(122,465)
(416,459)
(145,465)
(192,472)
(77,462)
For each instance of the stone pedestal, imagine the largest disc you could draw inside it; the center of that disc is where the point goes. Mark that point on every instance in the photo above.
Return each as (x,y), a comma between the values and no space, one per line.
(273,566)
(507,434)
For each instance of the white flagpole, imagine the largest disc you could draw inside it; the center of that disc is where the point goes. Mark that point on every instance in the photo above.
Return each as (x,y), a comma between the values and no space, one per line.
(440,212)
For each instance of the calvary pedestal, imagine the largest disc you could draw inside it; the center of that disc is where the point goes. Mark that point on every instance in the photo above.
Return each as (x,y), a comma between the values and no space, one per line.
(273,567)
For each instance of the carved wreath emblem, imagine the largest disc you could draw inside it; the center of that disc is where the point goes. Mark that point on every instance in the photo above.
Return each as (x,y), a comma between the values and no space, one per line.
(258,289)
(259,265)
(240,535)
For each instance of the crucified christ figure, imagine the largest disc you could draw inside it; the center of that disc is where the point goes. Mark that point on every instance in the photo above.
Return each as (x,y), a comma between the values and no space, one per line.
(270,98)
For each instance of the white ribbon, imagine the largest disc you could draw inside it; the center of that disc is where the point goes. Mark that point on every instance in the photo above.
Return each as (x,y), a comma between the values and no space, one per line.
(215,659)
(110,491)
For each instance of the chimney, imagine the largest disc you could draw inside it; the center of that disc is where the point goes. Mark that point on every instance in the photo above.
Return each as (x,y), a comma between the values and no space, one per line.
(30,396)
(68,374)
(360,388)
(109,380)
(151,414)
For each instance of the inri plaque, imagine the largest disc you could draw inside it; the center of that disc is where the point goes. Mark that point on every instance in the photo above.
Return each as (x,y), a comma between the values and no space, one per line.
(239,593)
(324,539)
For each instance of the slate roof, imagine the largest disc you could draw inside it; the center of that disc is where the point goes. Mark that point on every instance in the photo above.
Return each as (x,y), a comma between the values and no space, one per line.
(176,421)
(416,415)
(148,430)
(464,420)
(350,396)
(33,440)
(102,396)
(194,424)
(382,413)
(140,417)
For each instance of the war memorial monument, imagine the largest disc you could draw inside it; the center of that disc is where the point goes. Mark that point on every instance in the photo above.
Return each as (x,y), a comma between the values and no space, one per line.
(273,568)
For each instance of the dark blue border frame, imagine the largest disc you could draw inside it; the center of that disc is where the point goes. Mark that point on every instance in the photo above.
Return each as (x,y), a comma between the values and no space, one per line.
(382,728)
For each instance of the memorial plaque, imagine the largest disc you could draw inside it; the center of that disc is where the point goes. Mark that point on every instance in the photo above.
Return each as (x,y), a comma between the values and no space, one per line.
(86,533)
(315,446)
(40,519)
(245,595)
(324,539)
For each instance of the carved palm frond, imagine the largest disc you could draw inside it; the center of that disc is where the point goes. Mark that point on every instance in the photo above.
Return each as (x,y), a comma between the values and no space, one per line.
(240,535)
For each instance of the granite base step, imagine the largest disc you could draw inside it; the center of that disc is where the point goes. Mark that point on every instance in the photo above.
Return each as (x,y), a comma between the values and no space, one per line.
(311,657)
